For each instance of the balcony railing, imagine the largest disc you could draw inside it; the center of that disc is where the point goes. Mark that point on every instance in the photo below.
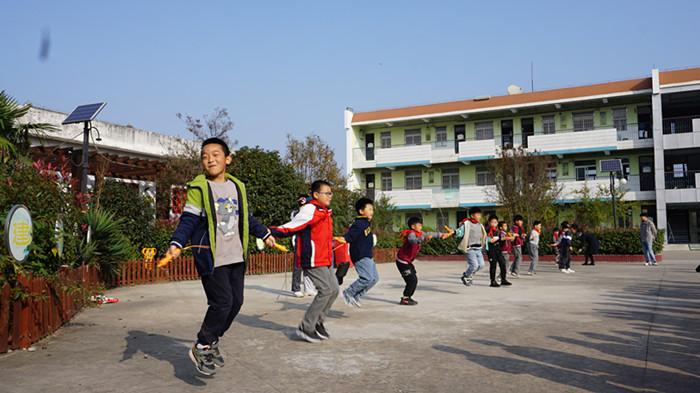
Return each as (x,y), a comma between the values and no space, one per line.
(680,125)
(681,179)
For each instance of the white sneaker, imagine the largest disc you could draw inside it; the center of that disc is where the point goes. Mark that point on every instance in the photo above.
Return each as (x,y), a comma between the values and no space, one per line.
(564,271)
(571,270)
(514,274)
(647,263)
(311,293)
(529,273)
(299,294)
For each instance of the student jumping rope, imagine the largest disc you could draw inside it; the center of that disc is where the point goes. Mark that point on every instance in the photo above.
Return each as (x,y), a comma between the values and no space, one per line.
(341,260)
(313,227)
(412,239)
(216,218)
(473,241)
(518,241)
(565,249)
(494,244)
(361,252)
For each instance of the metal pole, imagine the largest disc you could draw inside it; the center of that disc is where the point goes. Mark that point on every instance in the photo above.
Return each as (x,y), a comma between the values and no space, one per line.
(84,162)
(612,194)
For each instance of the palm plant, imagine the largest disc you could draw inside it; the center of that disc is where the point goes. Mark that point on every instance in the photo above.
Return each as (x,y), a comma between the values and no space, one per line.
(108,247)
(14,136)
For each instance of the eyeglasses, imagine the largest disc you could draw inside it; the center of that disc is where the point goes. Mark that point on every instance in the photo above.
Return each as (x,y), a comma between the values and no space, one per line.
(330,194)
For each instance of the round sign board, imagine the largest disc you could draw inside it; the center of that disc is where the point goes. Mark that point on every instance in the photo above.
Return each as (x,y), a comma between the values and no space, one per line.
(18,232)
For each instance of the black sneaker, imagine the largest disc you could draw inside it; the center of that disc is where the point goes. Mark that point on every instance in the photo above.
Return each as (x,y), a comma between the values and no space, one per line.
(321,331)
(407,301)
(201,356)
(308,337)
(216,357)
(505,282)
(494,284)
(466,280)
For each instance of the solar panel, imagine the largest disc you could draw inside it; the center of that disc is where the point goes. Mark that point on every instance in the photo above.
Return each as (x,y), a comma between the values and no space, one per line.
(84,113)
(614,165)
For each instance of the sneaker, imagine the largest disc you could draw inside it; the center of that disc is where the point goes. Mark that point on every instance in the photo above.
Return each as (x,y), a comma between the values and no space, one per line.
(357,302)
(321,331)
(308,337)
(407,301)
(514,274)
(571,270)
(530,273)
(466,280)
(506,282)
(564,271)
(647,263)
(585,264)
(216,357)
(311,293)
(349,300)
(494,284)
(299,294)
(654,263)
(201,356)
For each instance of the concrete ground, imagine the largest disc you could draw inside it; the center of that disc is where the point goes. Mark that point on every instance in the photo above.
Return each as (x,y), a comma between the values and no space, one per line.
(608,328)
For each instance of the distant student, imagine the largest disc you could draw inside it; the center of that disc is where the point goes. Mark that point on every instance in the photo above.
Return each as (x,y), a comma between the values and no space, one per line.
(361,242)
(473,241)
(297,272)
(555,244)
(494,245)
(590,244)
(413,237)
(518,240)
(565,249)
(534,246)
(647,234)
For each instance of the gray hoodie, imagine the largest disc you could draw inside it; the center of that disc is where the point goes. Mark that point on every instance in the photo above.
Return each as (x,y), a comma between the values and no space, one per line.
(647,231)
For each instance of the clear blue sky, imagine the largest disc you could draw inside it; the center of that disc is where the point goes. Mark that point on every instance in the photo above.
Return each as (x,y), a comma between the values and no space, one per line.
(293,66)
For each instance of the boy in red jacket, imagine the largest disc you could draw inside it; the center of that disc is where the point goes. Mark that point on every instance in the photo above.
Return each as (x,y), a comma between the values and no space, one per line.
(313,227)
(412,239)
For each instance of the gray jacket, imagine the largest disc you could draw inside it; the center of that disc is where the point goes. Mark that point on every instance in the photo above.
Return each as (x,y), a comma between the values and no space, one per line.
(647,231)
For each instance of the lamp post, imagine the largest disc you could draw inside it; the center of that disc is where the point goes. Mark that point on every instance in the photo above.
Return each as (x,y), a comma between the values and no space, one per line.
(613,175)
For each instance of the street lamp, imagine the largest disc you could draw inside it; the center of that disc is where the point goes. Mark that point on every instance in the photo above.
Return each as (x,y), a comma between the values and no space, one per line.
(85,114)
(613,166)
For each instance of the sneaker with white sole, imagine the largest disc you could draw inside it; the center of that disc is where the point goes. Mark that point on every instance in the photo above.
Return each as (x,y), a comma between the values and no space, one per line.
(571,270)
(299,294)
(201,356)
(216,357)
(349,300)
(564,271)
(321,331)
(308,337)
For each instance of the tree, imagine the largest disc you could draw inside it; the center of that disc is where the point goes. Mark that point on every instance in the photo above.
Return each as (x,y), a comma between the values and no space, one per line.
(523,186)
(314,159)
(14,136)
(216,125)
(273,186)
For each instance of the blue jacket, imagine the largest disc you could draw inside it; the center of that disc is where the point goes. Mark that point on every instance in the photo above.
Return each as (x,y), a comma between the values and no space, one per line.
(198,223)
(360,238)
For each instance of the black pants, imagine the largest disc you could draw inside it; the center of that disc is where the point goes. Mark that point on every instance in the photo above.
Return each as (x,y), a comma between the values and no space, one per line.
(341,270)
(589,255)
(408,272)
(497,259)
(224,290)
(565,260)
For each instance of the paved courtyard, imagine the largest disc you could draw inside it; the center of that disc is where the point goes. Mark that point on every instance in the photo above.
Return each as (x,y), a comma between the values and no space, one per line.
(608,328)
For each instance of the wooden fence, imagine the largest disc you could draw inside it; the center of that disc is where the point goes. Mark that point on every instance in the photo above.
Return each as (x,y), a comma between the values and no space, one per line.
(36,306)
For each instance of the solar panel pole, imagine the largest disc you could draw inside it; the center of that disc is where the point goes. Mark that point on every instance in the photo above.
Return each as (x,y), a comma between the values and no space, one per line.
(612,194)
(84,163)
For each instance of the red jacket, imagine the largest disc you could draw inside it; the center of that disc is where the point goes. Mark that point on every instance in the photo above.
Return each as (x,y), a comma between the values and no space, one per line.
(313,226)
(341,252)
(408,251)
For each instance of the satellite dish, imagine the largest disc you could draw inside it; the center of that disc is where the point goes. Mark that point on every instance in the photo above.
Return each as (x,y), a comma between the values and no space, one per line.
(514,89)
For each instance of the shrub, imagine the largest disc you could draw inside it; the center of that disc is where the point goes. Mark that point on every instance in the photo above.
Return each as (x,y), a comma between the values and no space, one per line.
(108,246)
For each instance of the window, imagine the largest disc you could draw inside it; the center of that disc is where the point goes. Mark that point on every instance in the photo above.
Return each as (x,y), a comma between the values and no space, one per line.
(414,180)
(385,140)
(412,136)
(484,177)
(548,126)
(583,121)
(565,169)
(585,170)
(620,118)
(450,178)
(603,118)
(440,136)
(386,181)
(484,130)
(552,172)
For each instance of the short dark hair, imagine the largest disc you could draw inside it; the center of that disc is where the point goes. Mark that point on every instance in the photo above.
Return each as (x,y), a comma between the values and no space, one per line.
(316,185)
(574,227)
(217,141)
(362,203)
(643,214)
(474,210)
(518,217)
(493,217)
(565,225)
(536,223)
(500,224)
(414,220)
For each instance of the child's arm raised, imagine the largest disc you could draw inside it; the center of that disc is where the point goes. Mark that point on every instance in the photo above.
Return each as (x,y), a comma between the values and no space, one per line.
(303,219)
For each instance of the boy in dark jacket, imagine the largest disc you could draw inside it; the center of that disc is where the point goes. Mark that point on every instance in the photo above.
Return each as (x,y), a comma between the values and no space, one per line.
(361,252)
(313,227)
(216,220)
(565,249)
(494,248)
(590,244)
(518,241)
(412,239)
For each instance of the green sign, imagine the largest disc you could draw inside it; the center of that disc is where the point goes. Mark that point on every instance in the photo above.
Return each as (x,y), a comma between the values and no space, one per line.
(18,232)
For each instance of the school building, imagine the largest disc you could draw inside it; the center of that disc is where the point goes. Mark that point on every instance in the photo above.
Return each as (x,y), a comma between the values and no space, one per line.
(432,160)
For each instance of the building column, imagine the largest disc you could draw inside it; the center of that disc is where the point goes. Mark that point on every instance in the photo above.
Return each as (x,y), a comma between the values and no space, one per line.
(658,130)
(353,180)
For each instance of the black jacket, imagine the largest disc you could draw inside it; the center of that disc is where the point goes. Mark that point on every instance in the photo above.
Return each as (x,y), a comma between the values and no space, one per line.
(360,238)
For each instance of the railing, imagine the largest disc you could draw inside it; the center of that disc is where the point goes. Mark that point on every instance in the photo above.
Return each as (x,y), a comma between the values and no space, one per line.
(681,180)
(679,125)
